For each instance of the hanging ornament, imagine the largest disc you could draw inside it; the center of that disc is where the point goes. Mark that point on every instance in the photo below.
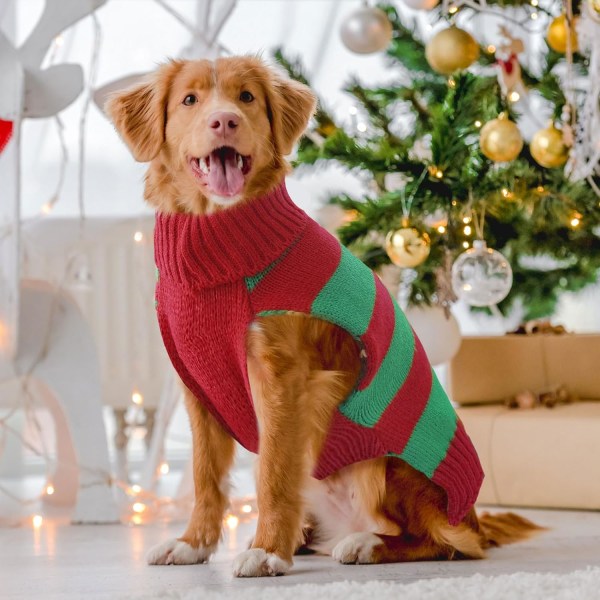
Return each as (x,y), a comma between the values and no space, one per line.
(557,34)
(481,276)
(366,30)
(500,139)
(421,4)
(509,68)
(451,49)
(548,148)
(407,247)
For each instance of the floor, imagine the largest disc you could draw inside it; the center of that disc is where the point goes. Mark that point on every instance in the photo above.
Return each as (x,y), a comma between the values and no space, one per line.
(73,562)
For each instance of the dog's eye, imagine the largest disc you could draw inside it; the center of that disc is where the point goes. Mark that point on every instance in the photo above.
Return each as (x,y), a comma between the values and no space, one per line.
(190,99)
(246,97)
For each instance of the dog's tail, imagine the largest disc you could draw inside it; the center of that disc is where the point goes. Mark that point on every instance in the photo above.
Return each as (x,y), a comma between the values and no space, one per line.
(507,528)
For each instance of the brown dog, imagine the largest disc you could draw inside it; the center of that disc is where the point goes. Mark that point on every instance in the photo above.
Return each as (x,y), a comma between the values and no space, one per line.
(215,134)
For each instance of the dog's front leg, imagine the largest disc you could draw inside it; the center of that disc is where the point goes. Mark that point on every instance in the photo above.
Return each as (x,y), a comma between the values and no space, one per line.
(285,445)
(213,451)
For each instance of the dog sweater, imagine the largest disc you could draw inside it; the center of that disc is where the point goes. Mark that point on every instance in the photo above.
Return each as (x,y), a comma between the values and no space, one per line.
(218,272)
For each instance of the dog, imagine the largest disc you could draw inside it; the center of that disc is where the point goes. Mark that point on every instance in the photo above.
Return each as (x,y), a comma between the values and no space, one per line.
(299,376)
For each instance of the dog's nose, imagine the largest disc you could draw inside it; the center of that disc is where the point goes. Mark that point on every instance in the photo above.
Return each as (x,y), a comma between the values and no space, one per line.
(223,123)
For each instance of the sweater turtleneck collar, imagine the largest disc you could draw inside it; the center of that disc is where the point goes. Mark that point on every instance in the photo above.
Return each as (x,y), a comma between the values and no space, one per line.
(230,244)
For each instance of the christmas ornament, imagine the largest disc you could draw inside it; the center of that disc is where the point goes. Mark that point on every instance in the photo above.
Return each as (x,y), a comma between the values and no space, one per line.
(439,334)
(548,148)
(557,34)
(421,4)
(481,276)
(366,30)
(407,247)
(500,139)
(509,68)
(451,49)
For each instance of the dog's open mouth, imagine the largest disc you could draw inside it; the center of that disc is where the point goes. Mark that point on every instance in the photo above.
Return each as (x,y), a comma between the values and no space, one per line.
(224,170)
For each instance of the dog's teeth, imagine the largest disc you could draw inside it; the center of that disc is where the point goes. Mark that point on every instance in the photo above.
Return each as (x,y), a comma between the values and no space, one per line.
(203,166)
(240,161)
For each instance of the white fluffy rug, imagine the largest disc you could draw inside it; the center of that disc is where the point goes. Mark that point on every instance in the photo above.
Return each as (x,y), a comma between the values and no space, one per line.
(579,585)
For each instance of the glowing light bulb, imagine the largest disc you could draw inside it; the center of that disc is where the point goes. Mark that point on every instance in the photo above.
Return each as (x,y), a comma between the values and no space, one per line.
(137,519)
(136,489)
(441,229)
(246,508)
(466,219)
(454,203)
(59,40)
(491,48)
(534,2)
(362,127)
(514,96)
(49,489)
(467,230)
(540,188)
(232,521)
(353,110)
(575,221)
(164,468)
(37,521)
(505,192)
(138,507)
(46,208)
(439,174)
(451,82)
(478,123)
(465,244)
(453,9)
(534,16)
(138,236)
(137,398)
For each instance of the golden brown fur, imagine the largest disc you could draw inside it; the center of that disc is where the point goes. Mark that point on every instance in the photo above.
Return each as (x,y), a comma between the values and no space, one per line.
(300,368)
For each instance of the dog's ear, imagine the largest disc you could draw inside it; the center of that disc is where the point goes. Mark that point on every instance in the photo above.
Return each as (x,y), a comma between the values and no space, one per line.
(292,104)
(140,113)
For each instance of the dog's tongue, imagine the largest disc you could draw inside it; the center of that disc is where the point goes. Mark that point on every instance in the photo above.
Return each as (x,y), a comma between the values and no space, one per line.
(225,178)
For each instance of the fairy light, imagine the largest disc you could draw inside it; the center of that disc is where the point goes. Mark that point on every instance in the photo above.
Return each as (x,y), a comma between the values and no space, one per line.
(138,236)
(453,9)
(136,489)
(491,48)
(466,220)
(232,521)
(353,110)
(540,189)
(37,521)
(362,127)
(451,82)
(467,230)
(441,229)
(534,2)
(137,398)
(505,193)
(465,244)
(138,507)
(59,40)
(534,16)
(478,123)
(46,208)
(439,173)
(246,509)
(454,203)
(575,222)
(49,489)
(137,519)
(514,96)
(164,468)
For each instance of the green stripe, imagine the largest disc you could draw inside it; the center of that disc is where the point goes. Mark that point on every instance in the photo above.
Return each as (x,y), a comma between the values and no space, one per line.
(271,313)
(348,298)
(365,407)
(433,433)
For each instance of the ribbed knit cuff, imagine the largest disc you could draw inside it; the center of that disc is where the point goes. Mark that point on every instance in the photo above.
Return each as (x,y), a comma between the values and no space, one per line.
(230,244)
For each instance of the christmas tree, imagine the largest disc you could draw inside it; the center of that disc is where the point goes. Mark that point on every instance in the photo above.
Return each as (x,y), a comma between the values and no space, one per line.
(447,164)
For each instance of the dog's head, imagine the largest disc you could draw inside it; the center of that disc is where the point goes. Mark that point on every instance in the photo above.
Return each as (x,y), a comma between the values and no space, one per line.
(214,132)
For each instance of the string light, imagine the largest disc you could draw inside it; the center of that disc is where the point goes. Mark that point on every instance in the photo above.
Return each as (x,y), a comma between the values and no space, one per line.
(46,208)
(246,508)
(136,489)
(353,110)
(138,507)
(453,9)
(439,174)
(467,230)
(466,220)
(491,48)
(465,244)
(534,2)
(164,468)
(362,127)
(232,521)
(451,82)
(441,229)
(505,193)
(514,96)
(478,123)
(49,489)
(540,189)
(576,219)
(454,202)
(59,40)
(137,398)
(534,16)
(138,236)
(37,521)
(137,519)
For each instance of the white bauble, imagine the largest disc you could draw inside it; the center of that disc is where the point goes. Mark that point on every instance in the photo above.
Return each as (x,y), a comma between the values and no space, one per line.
(366,30)
(421,4)
(439,335)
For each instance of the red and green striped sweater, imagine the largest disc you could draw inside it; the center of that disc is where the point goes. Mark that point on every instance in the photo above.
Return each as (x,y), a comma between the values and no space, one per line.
(219,272)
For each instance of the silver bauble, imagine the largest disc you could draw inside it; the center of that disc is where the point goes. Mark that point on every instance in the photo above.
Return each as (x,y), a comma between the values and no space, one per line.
(366,30)
(481,276)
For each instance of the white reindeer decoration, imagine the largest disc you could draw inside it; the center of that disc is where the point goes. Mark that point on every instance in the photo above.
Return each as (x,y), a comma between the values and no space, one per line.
(43,336)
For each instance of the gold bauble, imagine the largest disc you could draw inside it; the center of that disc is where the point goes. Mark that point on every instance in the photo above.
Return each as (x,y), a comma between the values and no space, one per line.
(548,148)
(407,247)
(500,139)
(557,34)
(451,49)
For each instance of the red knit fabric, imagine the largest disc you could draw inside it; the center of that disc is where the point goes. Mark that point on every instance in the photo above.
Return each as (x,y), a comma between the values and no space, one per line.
(218,272)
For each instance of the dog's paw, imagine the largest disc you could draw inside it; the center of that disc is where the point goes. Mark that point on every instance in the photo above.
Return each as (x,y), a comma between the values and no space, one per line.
(177,552)
(258,563)
(356,548)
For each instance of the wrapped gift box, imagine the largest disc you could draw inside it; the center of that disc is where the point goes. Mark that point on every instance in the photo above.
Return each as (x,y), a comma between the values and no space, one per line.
(538,457)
